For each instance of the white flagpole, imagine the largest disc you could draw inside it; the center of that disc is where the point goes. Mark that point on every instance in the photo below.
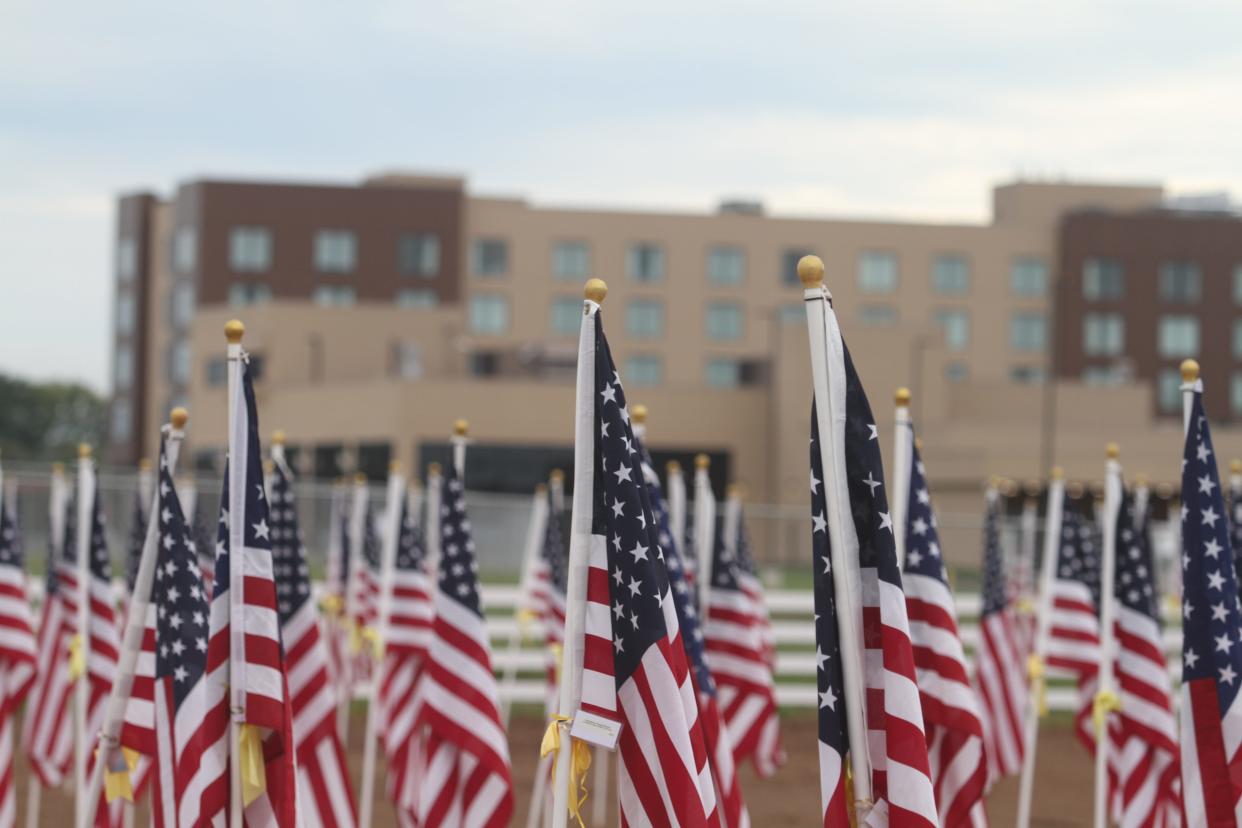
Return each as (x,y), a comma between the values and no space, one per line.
(1043,621)
(58,492)
(388,557)
(704,528)
(903,437)
(1105,696)
(85,529)
(538,798)
(146,480)
(828,375)
(135,628)
(238,445)
(579,545)
(677,505)
(530,553)
(431,537)
(459,441)
(357,534)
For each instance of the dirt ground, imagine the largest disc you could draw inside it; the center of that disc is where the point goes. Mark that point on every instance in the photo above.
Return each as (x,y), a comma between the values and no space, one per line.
(791,798)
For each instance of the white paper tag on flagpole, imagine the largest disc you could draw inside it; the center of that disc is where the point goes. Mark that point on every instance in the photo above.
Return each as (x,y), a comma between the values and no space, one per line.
(598,730)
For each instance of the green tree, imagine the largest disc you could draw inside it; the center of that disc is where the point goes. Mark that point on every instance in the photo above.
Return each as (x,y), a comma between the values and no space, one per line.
(46,421)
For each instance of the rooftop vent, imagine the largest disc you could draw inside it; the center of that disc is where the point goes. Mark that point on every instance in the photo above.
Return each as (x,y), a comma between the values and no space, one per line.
(742,207)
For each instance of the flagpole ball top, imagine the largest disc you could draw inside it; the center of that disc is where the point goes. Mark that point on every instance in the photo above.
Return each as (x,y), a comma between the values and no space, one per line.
(178,417)
(595,290)
(541,489)
(1112,451)
(234,330)
(269,467)
(84,451)
(672,467)
(918,443)
(1057,473)
(394,466)
(460,427)
(1190,370)
(702,461)
(278,437)
(1011,488)
(434,470)
(638,414)
(556,476)
(1235,467)
(1031,487)
(995,481)
(1140,480)
(1074,489)
(902,396)
(145,464)
(58,468)
(360,479)
(811,271)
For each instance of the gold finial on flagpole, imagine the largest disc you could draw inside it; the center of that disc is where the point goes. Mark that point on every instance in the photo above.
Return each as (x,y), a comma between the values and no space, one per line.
(1112,451)
(672,467)
(1235,467)
(702,461)
(84,451)
(1057,473)
(1190,370)
(541,489)
(811,271)
(145,464)
(360,478)
(434,469)
(460,427)
(178,417)
(58,468)
(278,437)
(595,290)
(394,466)
(1032,488)
(638,414)
(234,330)
(1140,480)
(902,396)
(556,476)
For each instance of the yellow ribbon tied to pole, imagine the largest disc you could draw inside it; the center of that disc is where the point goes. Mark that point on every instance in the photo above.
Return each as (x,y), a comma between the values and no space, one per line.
(1106,701)
(253,768)
(77,657)
(579,763)
(371,638)
(332,605)
(118,765)
(1035,671)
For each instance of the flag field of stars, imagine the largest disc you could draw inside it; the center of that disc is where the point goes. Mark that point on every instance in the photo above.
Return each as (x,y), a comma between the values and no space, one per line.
(459,571)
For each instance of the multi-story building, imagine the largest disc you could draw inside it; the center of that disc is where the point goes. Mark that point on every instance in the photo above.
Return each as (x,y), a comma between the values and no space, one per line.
(378,313)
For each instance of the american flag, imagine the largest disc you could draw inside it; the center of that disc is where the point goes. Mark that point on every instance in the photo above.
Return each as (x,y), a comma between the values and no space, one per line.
(634,666)
(901,773)
(1235,521)
(737,632)
(337,627)
(1211,713)
(1074,626)
(324,792)
(546,591)
(260,669)
(405,647)
(18,658)
(366,589)
(950,705)
(1144,733)
(137,537)
(466,778)
(722,750)
(1001,676)
(47,727)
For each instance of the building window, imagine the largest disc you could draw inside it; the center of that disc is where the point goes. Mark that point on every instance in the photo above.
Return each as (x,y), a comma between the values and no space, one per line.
(489,257)
(1237,339)
(1235,394)
(1177,337)
(726,266)
(336,251)
(1103,334)
(489,314)
(407,360)
(1101,375)
(724,321)
(245,294)
(566,315)
(250,249)
(789,266)
(484,364)
(125,313)
(1103,280)
(413,298)
(571,260)
(181,304)
(951,275)
(184,250)
(956,327)
(1026,374)
(1027,331)
(179,363)
(1169,390)
(1028,276)
(123,370)
(644,369)
(334,296)
(877,272)
(879,315)
(722,373)
(956,372)
(644,262)
(122,424)
(217,371)
(1237,284)
(1181,282)
(418,254)
(126,260)
(644,318)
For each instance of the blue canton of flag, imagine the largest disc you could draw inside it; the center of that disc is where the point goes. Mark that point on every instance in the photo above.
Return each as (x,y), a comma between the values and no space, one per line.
(922,540)
(1235,530)
(289,567)
(410,549)
(137,537)
(553,549)
(458,568)
(1135,577)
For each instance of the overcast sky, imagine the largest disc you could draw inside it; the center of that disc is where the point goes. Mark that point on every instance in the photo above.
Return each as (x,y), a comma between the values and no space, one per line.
(909,109)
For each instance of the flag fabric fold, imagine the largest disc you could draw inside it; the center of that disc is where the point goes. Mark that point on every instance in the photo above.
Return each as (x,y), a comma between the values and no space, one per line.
(18,653)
